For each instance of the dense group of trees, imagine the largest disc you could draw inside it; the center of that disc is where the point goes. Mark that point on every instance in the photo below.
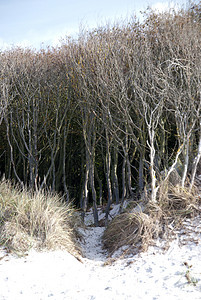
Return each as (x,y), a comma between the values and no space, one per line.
(103,116)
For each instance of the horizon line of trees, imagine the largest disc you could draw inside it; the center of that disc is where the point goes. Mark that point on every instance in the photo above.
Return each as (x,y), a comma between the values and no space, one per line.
(100,118)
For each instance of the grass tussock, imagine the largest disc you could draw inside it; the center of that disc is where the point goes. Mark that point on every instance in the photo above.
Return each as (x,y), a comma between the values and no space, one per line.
(140,229)
(128,229)
(35,220)
(177,201)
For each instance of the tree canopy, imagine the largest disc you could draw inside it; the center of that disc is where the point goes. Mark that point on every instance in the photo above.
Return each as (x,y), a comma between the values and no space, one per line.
(100,118)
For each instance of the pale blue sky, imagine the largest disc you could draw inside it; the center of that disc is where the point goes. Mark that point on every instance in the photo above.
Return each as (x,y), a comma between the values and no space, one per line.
(37,23)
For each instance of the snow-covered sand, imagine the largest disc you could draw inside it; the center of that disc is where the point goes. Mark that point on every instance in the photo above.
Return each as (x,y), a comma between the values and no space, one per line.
(151,275)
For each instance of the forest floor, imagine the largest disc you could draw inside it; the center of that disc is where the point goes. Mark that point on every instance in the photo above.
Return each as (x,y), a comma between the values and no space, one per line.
(159,273)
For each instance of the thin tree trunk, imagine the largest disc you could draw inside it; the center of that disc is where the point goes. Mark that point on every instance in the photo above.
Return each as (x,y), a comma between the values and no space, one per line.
(128,165)
(154,189)
(141,175)
(195,162)
(123,180)
(115,177)
(64,167)
(108,167)
(100,187)
(171,169)
(95,211)
(186,162)
(129,176)
(86,192)
(123,185)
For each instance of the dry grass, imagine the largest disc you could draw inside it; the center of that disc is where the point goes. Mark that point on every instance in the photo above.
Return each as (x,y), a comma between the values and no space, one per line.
(179,201)
(35,220)
(139,230)
(129,229)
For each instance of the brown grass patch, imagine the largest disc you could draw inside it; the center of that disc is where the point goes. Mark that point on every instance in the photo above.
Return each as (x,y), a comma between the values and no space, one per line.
(139,230)
(178,202)
(129,229)
(35,220)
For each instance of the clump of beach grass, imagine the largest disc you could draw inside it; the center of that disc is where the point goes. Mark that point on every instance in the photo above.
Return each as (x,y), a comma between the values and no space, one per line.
(135,230)
(177,201)
(38,220)
(139,230)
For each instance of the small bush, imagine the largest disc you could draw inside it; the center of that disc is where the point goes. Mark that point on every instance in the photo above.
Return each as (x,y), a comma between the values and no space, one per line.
(35,220)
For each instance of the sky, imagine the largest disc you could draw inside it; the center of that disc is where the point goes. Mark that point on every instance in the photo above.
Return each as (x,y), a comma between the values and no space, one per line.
(41,23)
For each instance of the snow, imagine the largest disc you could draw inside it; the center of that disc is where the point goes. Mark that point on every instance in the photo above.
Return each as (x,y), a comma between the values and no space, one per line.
(156,274)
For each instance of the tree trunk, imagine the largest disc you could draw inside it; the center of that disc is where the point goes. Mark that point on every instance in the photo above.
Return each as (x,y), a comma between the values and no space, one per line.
(115,177)
(186,162)
(123,180)
(64,167)
(129,176)
(154,189)
(86,192)
(100,187)
(195,162)
(108,167)
(141,175)
(95,211)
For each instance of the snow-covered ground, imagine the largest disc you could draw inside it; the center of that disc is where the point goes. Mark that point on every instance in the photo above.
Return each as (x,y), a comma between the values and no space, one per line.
(174,274)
